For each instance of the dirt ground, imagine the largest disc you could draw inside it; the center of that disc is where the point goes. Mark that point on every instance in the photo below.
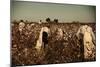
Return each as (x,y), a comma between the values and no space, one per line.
(66,50)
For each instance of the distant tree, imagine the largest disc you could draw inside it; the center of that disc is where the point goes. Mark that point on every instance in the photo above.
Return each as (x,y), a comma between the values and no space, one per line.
(40,20)
(48,20)
(75,22)
(26,21)
(56,20)
(21,21)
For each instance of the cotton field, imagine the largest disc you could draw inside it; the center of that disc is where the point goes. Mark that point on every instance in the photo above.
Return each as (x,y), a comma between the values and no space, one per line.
(48,43)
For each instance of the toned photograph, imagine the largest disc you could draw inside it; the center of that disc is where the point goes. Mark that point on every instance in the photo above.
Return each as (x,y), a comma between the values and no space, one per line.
(52,33)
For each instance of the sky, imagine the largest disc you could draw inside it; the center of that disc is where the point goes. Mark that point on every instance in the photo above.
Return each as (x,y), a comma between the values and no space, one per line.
(35,11)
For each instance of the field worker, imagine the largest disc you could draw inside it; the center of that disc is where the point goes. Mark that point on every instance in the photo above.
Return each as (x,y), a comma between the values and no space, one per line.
(59,34)
(43,38)
(21,26)
(88,40)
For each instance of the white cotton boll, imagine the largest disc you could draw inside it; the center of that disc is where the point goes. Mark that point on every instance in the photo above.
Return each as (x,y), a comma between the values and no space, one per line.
(66,33)
(40,22)
(59,34)
(32,24)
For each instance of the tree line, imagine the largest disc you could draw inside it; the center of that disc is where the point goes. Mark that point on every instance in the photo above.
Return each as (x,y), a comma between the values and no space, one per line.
(49,20)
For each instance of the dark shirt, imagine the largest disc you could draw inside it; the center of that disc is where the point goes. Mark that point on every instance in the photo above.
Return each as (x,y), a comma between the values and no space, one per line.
(45,38)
